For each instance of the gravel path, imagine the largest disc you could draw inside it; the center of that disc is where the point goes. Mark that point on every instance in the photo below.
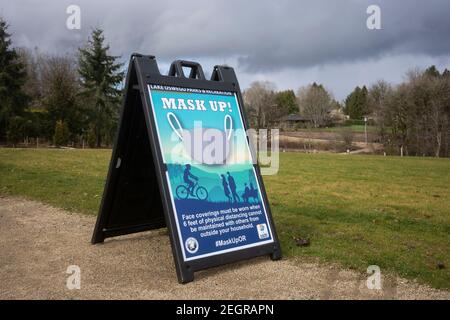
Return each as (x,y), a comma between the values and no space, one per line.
(39,242)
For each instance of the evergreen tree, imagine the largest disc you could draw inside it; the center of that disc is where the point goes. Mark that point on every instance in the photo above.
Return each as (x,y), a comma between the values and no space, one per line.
(432,72)
(62,134)
(15,131)
(357,103)
(100,77)
(287,101)
(446,74)
(12,78)
(91,138)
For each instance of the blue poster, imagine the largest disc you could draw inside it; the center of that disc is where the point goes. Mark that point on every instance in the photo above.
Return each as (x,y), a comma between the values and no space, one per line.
(214,190)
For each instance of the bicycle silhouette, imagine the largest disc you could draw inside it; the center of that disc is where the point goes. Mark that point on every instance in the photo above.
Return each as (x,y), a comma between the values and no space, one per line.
(198,191)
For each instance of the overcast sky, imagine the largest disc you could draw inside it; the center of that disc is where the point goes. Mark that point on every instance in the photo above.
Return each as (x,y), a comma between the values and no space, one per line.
(289,42)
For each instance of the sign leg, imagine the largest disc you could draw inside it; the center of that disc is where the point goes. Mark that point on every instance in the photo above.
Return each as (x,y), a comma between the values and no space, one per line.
(186,276)
(276,254)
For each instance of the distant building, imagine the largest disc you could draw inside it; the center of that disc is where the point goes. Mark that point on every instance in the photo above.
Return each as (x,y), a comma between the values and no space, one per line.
(338,116)
(293,121)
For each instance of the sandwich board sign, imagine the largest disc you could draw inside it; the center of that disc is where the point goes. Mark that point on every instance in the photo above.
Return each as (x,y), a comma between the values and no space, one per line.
(182,160)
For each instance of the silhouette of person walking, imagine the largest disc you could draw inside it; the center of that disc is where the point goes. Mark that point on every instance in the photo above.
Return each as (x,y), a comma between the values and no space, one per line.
(186,177)
(232,185)
(246,193)
(225,187)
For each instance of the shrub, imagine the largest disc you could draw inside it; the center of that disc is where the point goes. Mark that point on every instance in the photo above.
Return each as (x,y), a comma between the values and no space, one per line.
(346,137)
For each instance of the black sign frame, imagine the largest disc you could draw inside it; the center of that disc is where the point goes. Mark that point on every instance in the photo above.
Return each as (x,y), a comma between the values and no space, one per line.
(136,196)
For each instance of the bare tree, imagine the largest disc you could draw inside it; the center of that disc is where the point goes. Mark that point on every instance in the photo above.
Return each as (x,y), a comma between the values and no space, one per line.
(378,95)
(33,85)
(440,113)
(346,135)
(315,104)
(60,92)
(415,116)
(260,101)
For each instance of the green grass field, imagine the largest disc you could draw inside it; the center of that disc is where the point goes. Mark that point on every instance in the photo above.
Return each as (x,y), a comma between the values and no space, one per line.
(357,210)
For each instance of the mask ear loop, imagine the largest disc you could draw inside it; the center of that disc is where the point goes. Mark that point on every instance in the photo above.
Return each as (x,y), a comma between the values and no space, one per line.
(228,130)
(179,131)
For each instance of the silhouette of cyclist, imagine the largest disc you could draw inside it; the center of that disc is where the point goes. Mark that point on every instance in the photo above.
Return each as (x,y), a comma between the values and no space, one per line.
(186,177)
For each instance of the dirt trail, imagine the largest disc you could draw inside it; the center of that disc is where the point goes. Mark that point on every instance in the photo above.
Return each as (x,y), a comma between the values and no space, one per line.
(39,242)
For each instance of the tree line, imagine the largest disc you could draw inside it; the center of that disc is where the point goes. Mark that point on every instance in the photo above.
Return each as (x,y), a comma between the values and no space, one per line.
(412,118)
(64,99)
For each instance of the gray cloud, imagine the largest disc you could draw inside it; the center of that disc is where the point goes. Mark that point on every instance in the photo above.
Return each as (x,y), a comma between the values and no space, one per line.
(264,38)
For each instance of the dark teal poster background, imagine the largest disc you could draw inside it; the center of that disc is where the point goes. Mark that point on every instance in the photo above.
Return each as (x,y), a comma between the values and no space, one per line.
(214,190)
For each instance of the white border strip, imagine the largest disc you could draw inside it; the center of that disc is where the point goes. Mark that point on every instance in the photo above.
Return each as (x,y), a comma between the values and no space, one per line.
(156,123)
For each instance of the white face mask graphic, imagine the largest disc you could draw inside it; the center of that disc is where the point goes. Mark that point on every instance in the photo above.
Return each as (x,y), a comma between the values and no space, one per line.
(209,146)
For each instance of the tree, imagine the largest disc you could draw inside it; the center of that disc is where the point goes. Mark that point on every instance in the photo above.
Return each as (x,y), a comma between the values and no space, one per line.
(438,111)
(260,103)
(397,119)
(357,104)
(315,104)
(346,135)
(378,95)
(12,78)
(100,79)
(287,102)
(61,136)
(432,72)
(60,92)
(15,130)
(414,117)
(446,74)
(91,137)
(33,85)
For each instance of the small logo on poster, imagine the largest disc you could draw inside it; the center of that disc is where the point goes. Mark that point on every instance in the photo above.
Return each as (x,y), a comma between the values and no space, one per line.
(263,233)
(191,245)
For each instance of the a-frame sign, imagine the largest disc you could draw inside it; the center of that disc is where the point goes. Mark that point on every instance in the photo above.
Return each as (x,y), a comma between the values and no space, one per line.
(182,160)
